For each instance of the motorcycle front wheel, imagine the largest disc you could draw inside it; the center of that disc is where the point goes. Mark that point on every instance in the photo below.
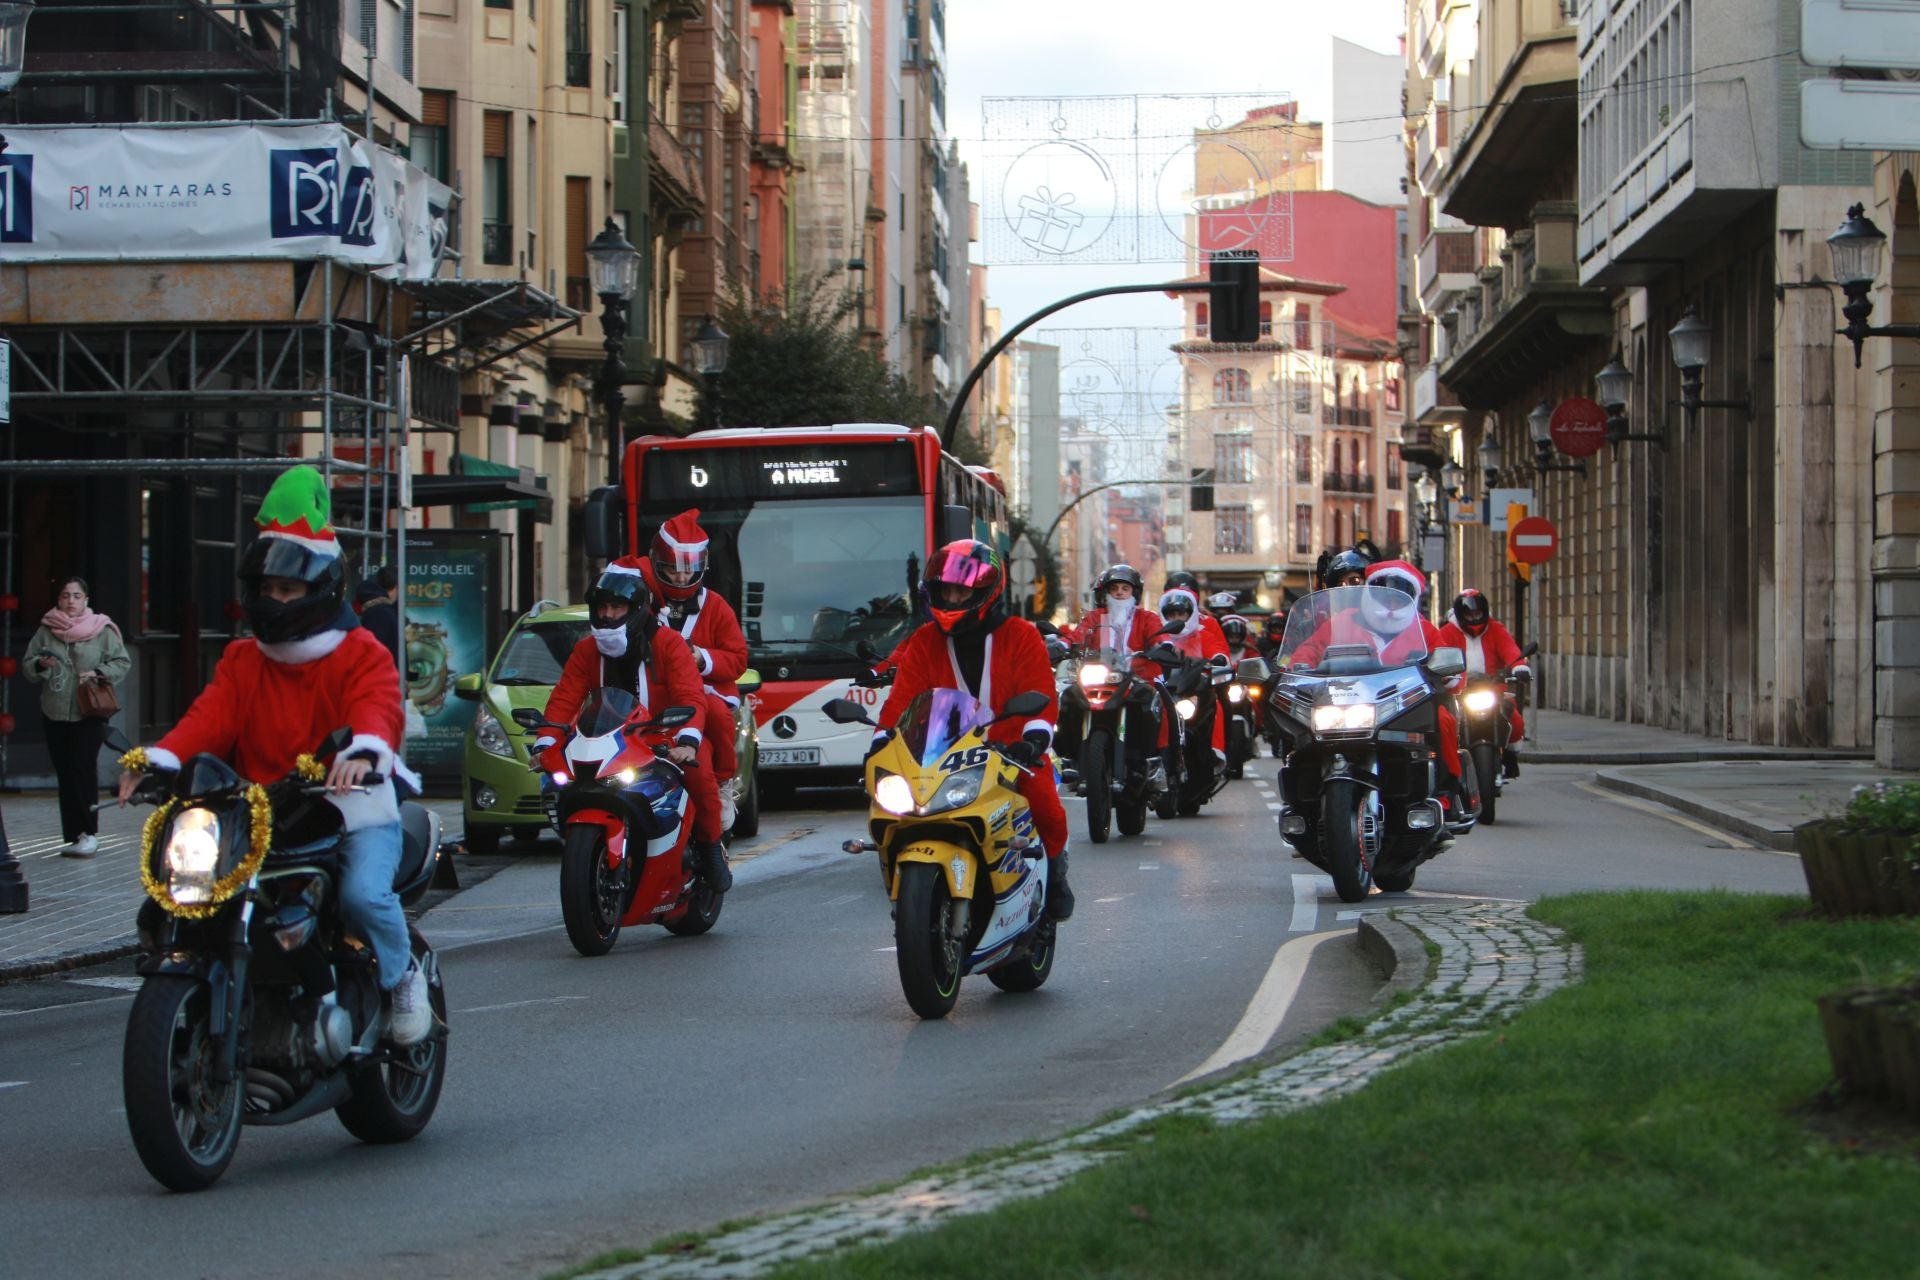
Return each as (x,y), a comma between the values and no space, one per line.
(393,1100)
(1341,805)
(927,953)
(185,1125)
(592,895)
(1096,774)
(1486,767)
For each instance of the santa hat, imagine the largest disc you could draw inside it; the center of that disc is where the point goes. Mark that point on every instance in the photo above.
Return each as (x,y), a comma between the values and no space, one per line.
(299,509)
(682,539)
(1398,573)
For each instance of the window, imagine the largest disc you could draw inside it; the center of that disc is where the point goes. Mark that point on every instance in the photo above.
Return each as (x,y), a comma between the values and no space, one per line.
(1396,532)
(579,45)
(1233,531)
(1233,459)
(1393,466)
(1303,326)
(1302,461)
(1392,393)
(496,190)
(619,86)
(499,4)
(1302,529)
(432,141)
(1303,394)
(1200,320)
(1266,319)
(1339,528)
(579,286)
(1232,386)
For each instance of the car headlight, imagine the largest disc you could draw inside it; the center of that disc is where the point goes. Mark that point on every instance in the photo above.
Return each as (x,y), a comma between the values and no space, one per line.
(1186,707)
(1482,700)
(1236,693)
(1095,673)
(958,791)
(893,794)
(489,735)
(193,851)
(1327,719)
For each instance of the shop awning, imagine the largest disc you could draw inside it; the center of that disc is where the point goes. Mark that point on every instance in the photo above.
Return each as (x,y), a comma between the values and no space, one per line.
(477,485)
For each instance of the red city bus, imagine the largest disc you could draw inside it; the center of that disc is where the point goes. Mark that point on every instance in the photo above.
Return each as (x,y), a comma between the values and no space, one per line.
(819,535)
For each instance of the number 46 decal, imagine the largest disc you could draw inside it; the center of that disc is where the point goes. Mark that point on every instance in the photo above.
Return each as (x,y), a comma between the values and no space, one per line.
(964,759)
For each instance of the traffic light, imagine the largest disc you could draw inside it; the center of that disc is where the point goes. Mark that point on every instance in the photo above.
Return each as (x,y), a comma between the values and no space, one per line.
(1235,312)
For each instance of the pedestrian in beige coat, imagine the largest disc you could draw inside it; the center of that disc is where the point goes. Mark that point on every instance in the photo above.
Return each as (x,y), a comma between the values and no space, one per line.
(75,644)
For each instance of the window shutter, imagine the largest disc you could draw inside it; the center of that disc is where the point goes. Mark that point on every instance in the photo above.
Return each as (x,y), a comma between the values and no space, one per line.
(577,228)
(436,108)
(494,143)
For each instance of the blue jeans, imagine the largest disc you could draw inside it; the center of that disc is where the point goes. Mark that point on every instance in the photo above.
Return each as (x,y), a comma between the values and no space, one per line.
(368,905)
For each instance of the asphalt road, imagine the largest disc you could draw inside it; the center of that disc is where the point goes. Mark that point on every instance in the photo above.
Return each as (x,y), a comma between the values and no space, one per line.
(678,1082)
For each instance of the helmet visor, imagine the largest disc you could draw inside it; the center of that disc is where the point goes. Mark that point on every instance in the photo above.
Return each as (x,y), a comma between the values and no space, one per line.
(680,566)
(285,558)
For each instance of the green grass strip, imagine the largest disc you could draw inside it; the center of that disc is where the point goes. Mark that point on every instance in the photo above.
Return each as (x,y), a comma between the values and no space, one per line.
(1650,1121)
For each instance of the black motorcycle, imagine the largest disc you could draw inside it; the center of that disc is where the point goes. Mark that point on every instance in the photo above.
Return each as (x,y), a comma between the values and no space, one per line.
(1487,704)
(257,1007)
(1242,698)
(1119,784)
(1194,774)
(1356,706)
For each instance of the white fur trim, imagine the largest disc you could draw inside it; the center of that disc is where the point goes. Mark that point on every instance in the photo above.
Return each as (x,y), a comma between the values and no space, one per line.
(328,547)
(678,545)
(295,653)
(164,758)
(367,744)
(362,809)
(632,571)
(688,731)
(702,659)
(1042,725)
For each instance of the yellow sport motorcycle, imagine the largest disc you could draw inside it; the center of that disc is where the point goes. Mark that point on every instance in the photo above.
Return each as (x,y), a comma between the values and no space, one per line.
(958,851)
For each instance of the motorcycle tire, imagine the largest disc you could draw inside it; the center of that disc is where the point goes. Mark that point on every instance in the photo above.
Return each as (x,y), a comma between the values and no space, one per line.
(1166,805)
(1396,883)
(393,1101)
(746,813)
(184,1126)
(1340,806)
(929,960)
(1131,816)
(1239,749)
(1029,970)
(1096,774)
(481,841)
(1486,765)
(702,913)
(592,898)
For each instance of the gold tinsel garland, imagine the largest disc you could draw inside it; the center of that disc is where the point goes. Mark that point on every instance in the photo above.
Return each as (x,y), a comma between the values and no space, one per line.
(135,761)
(308,768)
(261,809)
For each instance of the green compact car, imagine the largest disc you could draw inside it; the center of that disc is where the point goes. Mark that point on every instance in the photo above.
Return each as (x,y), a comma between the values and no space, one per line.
(500,795)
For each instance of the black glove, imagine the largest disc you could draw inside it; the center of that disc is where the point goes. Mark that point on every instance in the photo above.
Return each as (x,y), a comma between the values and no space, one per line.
(1030,750)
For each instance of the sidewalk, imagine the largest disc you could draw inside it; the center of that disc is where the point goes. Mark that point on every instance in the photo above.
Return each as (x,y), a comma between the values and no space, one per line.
(80,910)
(1757,793)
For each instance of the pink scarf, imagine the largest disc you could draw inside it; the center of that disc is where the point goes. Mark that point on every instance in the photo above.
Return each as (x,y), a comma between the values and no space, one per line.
(73,630)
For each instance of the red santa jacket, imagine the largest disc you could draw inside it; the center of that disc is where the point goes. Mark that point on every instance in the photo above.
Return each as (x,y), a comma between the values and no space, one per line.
(712,631)
(668,678)
(259,713)
(1493,651)
(1346,627)
(1140,634)
(1202,642)
(1016,662)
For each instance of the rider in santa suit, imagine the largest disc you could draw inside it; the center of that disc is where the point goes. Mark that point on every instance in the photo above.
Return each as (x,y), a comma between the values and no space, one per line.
(1490,649)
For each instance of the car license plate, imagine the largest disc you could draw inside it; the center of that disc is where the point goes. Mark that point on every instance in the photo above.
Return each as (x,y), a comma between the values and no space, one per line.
(789,755)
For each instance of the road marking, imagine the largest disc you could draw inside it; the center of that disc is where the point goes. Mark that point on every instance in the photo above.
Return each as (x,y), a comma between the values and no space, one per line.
(844,899)
(13,1084)
(1116,898)
(71,1004)
(883,950)
(1149,866)
(115,983)
(1275,806)
(1306,901)
(1268,1008)
(515,1004)
(1661,811)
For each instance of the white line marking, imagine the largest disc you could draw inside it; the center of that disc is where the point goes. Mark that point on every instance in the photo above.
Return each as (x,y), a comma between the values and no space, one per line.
(1268,1008)
(1275,806)
(1661,811)
(844,899)
(115,984)
(515,1004)
(880,951)
(71,1004)
(1116,898)
(1306,901)
(13,1084)
(1149,866)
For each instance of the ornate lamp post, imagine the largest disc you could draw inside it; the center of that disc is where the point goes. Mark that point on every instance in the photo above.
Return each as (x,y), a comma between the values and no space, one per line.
(13,59)
(708,353)
(1540,427)
(1856,249)
(1492,457)
(1691,342)
(614,267)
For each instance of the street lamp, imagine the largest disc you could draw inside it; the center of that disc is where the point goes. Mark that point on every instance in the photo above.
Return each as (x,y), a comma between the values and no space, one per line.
(1540,427)
(13,59)
(1691,341)
(1492,457)
(1613,387)
(1856,249)
(709,356)
(613,265)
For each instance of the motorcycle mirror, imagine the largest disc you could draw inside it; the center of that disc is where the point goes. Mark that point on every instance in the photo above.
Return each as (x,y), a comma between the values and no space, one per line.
(116,739)
(1218,660)
(1046,628)
(841,711)
(528,718)
(748,684)
(1032,702)
(672,718)
(1533,647)
(1447,661)
(864,650)
(1254,670)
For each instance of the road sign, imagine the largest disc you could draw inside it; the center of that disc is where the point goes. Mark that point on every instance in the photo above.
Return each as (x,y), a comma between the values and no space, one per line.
(1578,427)
(1498,500)
(1533,540)
(1464,510)
(1022,565)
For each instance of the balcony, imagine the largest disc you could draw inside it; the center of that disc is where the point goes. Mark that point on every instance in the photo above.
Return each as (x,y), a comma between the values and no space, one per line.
(1430,145)
(1447,265)
(1341,416)
(1504,156)
(676,173)
(1347,482)
(1434,404)
(1532,313)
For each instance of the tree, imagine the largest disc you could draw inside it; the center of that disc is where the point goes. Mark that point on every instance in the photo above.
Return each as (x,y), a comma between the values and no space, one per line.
(794,361)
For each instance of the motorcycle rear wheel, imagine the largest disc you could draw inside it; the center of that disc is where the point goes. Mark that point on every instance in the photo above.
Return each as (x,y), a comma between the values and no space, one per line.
(746,814)
(185,1126)
(1131,816)
(1096,774)
(1486,765)
(702,913)
(1029,971)
(1341,803)
(393,1101)
(592,897)
(928,957)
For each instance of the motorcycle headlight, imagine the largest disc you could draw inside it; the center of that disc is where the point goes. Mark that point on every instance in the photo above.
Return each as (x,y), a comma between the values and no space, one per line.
(489,735)
(958,791)
(1186,707)
(1327,719)
(1236,693)
(1095,673)
(193,851)
(1481,700)
(626,777)
(560,778)
(893,794)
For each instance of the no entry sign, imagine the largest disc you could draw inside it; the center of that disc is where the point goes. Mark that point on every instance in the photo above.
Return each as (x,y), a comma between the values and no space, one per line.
(1533,540)
(1578,427)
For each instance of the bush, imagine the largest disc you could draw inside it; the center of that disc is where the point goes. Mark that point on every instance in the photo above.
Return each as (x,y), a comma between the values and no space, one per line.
(1886,808)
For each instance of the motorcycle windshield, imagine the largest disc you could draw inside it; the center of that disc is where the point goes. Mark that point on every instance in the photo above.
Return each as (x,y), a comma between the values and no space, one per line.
(936,720)
(604,710)
(1354,631)
(1105,642)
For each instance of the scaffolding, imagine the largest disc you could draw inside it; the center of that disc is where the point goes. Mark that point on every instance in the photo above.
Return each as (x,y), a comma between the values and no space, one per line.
(833,148)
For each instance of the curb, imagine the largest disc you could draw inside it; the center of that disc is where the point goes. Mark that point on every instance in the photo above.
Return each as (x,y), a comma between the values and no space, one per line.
(1726,817)
(62,961)
(1706,755)
(1399,953)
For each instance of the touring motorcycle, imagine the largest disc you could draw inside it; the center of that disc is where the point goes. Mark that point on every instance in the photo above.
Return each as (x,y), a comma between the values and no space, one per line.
(1119,785)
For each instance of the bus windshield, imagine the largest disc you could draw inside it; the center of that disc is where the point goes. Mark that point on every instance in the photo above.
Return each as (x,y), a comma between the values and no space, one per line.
(823,586)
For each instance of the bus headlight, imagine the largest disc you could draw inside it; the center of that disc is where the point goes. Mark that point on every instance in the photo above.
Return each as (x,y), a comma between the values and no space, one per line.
(893,794)
(1482,700)
(1328,719)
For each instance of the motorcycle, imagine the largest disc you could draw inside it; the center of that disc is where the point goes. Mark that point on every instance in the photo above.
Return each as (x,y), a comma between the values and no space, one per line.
(1487,704)
(1194,775)
(958,850)
(1357,712)
(1102,688)
(1241,699)
(614,785)
(256,1007)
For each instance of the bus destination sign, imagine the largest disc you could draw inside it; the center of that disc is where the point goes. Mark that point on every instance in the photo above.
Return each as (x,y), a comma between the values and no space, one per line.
(743,472)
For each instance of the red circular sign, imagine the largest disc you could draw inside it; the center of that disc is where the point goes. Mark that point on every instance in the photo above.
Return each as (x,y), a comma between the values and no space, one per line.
(1578,427)
(1533,540)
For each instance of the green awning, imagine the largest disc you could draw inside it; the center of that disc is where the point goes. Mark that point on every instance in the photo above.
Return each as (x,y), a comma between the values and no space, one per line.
(465,464)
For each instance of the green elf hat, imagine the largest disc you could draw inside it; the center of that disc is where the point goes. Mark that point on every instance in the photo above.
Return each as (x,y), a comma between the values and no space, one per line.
(299,510)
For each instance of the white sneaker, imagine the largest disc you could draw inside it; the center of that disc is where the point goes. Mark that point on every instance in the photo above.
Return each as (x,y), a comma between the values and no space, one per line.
(729,807)
(412,1010)
(85,847)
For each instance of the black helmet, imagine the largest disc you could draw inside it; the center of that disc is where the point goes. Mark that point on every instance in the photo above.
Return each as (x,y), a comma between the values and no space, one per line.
(622,585)
(1345,563)
(1119,573)
(1471,611)
(1180,578)
(1234,627)
(278,621)
(972,568)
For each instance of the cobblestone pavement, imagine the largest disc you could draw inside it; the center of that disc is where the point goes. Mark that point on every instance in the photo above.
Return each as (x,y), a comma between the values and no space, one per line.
(1493,961)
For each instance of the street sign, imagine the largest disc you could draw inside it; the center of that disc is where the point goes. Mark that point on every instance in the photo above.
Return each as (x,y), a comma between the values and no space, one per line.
(6,380)
(1860,33)
(1433,551)
(1498,500)
(1860,115)
(1533,540)
(1578,427)
(1021,567)
(1464,510)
